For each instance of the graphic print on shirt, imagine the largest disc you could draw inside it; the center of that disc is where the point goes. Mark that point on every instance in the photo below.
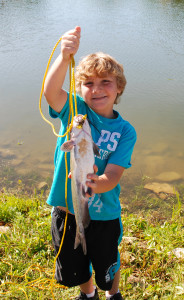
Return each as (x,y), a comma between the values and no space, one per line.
(97,203)
(110,139)
(110,142)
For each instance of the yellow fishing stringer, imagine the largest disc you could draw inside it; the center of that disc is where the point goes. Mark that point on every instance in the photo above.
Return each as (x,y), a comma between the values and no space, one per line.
(72,111)
(42,282)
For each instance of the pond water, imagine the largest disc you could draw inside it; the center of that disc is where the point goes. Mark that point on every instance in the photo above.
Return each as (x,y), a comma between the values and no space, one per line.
(146,36)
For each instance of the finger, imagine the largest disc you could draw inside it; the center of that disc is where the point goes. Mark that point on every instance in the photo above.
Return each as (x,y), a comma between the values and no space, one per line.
(95,168)
(68,39)
(76,32)
(78,28)
(92,176)
(69,47)
(89,195)
(91,184)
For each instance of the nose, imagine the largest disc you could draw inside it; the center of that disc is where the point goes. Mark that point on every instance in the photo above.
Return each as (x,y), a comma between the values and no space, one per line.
(96,88)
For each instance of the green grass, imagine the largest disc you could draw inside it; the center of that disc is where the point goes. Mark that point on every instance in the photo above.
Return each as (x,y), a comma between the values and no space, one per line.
(149,270)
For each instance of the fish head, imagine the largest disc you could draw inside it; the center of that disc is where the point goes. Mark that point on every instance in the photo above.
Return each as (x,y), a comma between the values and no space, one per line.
(79,121)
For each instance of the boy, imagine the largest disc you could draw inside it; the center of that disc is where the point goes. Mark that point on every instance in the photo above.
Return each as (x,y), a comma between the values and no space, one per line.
(100,81)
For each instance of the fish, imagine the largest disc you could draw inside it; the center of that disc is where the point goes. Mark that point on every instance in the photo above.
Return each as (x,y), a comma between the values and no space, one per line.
(82,158)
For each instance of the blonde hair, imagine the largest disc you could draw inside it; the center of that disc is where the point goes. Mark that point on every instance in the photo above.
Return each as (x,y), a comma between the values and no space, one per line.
(100,64)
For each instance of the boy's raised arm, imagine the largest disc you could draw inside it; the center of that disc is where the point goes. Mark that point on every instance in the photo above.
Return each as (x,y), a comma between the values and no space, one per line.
(54,94)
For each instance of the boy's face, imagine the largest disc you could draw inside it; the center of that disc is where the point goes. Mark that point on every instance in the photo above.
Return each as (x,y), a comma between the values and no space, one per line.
(100,93)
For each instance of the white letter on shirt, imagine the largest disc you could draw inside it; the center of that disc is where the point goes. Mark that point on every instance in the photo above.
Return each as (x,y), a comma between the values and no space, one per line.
(115,142)
(104,137)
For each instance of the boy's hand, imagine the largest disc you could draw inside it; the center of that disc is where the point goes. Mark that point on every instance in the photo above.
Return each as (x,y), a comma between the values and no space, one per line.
(93,177)
(70,43)
(92,183)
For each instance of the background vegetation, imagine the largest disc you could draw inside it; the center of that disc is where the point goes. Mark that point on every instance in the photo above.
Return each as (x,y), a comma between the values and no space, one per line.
(153,228)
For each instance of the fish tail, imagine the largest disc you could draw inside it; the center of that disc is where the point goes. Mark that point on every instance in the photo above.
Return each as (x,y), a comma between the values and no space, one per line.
(80,239)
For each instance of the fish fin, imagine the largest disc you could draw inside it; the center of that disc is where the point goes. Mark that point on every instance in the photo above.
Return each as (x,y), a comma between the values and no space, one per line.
(89,191)
(85,213)
(67,146)
(83,191)
(96,149)
(77,240)
(80,239)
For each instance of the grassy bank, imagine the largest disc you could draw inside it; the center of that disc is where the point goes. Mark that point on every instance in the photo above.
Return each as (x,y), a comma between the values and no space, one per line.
(149,269)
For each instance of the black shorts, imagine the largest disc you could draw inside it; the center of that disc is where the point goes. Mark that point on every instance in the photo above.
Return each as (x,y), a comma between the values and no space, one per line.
(102,239)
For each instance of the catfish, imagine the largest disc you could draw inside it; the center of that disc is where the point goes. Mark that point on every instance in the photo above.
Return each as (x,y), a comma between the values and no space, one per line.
(82,158)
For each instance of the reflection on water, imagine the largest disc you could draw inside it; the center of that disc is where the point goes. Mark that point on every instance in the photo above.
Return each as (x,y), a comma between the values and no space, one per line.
(147,37)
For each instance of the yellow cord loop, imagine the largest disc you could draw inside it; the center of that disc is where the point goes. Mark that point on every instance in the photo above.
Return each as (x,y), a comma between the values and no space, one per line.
(72,90)
(71,115)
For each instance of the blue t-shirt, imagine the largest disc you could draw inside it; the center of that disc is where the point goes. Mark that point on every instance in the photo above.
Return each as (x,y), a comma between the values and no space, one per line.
(115,139)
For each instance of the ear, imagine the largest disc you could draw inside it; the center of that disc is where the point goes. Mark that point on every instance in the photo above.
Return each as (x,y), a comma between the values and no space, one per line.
(67,146)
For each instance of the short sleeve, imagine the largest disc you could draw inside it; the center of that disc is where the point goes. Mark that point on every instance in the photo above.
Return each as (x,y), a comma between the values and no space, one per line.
(122,155)
(61,115)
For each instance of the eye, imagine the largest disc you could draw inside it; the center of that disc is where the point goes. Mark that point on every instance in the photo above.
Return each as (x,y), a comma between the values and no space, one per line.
(88,83)
(106,81)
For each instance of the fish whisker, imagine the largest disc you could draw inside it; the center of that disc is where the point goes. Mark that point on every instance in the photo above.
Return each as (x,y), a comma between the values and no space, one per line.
(94,126)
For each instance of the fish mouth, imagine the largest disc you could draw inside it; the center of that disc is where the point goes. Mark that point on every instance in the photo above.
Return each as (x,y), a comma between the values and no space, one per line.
(80,119)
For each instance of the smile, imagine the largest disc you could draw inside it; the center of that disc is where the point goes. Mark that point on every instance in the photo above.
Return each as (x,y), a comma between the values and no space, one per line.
(99,98)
